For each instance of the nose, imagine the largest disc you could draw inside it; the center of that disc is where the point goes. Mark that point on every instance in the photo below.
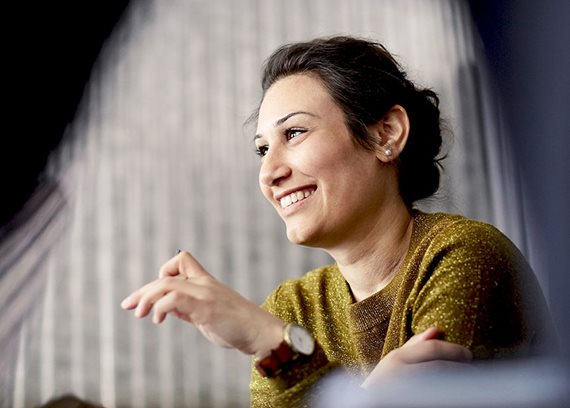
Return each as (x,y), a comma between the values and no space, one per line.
(274,168)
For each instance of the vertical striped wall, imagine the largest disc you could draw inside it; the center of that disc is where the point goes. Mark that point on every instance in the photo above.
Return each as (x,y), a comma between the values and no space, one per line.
(161,161)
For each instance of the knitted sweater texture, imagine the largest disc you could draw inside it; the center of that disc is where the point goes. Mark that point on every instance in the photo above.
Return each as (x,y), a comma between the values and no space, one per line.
(460,275)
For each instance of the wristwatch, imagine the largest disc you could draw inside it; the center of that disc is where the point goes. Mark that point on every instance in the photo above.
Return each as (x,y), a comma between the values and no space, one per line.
(297,341)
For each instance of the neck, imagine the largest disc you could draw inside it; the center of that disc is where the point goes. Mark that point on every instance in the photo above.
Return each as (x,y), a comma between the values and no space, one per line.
(369,260)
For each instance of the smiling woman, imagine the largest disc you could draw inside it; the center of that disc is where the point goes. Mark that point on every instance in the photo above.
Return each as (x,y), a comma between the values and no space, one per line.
(308,149)
(347,145)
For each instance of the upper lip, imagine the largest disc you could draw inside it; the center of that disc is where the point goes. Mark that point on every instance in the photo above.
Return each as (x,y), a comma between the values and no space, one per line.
(279,196)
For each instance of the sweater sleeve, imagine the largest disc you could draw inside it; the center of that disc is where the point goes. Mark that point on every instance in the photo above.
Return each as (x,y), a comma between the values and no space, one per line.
(299,384)
(478,289)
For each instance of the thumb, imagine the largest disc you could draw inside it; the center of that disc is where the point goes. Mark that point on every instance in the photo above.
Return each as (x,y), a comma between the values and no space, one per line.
(183,264)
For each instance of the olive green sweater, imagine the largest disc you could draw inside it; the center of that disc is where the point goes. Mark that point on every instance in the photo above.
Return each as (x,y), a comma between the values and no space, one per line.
(459,275)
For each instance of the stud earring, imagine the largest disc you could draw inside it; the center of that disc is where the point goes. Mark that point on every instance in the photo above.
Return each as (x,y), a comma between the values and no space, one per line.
(388,152)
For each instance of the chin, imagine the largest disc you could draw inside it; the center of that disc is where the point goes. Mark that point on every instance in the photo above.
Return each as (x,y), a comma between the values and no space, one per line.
(301,237)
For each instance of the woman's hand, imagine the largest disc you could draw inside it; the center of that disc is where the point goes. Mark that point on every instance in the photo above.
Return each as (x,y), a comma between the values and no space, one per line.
(423,351)
(184,289)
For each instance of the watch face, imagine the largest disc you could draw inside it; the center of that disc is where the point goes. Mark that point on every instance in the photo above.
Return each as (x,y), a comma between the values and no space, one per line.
(301,340)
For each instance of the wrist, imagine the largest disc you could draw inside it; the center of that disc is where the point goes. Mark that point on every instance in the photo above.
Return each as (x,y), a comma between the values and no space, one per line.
(270,337)
(296,342)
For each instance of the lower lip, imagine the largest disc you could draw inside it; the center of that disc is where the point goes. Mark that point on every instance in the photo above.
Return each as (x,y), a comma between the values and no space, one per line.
(295,206)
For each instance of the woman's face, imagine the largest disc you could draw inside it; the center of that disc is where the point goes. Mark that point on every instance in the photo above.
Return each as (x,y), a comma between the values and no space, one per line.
(324,185)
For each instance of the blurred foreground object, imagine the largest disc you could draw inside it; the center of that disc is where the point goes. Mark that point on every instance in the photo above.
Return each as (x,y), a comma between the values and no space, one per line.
(521,384)
(69,401)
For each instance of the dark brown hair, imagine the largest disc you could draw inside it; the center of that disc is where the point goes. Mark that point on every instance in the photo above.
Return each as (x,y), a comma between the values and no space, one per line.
(366,81)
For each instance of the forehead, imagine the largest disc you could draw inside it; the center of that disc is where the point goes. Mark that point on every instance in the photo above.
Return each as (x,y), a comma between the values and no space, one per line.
(300,92)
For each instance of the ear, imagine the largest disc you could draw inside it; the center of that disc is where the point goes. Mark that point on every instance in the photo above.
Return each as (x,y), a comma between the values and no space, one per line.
(392,132)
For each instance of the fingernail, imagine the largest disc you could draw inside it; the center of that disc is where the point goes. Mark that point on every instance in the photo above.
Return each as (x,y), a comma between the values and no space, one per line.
(126,303)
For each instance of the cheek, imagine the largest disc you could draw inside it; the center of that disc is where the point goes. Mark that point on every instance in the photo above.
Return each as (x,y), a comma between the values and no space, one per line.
(329,163)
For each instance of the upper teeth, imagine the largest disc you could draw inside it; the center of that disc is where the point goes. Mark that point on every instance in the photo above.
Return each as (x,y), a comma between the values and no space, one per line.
(294,197)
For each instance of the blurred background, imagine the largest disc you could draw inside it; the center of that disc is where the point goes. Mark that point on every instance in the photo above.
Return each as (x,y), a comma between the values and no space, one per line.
(124,141)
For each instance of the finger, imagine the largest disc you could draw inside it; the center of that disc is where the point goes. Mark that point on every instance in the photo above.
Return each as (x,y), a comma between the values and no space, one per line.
(131,301)
(431,333)
(170,268)
(183,264)
(435,350)
(167,270)
(154,291)
(174,303)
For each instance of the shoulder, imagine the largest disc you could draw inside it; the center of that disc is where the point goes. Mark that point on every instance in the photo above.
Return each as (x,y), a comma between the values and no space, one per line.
(463,254)
(452,251)
(445,233)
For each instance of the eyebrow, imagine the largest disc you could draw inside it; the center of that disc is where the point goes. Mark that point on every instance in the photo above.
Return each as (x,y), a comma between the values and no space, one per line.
(284,119)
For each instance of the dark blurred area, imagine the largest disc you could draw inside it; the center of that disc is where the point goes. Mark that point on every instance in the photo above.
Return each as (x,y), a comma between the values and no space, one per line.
(527,48)
(50,50)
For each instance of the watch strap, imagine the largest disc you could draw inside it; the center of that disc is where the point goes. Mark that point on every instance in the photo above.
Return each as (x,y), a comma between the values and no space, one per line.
(273,363)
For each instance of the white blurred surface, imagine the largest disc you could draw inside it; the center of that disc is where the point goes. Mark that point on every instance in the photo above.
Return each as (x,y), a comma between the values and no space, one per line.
(523,384)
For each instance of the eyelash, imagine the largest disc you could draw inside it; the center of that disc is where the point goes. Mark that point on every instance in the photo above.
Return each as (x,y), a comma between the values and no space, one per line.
(293,130)
(262,150)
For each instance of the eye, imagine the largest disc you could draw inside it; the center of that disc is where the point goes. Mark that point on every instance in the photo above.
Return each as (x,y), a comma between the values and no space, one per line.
(261,150)
(293,132)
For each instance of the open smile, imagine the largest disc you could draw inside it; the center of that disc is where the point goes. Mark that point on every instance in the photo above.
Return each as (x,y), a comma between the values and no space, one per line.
(296,196)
